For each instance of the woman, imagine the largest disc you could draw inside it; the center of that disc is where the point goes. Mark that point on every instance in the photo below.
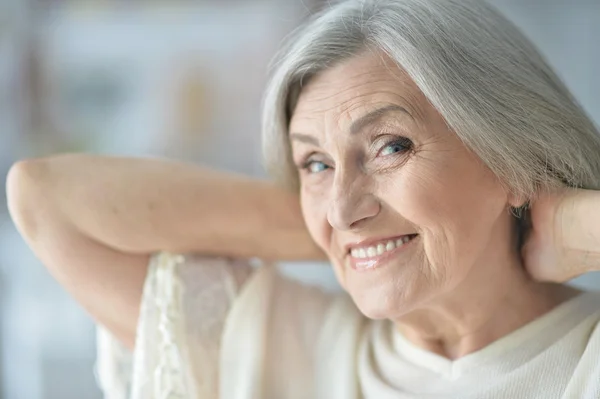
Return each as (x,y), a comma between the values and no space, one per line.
(415,133)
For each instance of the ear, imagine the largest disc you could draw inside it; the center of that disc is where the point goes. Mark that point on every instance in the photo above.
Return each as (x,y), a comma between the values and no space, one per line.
(517,200)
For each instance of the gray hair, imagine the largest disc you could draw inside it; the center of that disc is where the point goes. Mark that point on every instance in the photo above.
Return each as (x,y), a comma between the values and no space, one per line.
(485,78)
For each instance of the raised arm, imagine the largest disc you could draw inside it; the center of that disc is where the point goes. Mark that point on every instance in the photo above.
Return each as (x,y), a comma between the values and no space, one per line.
(94,221)
(565,239)
(579,229)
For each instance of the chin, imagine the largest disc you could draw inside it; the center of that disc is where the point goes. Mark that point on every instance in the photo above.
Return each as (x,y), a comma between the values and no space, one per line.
(380,302)
(374,312)
(386,293)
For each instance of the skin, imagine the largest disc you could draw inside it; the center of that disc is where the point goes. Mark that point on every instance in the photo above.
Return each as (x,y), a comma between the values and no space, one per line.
(564,240)
(369,182)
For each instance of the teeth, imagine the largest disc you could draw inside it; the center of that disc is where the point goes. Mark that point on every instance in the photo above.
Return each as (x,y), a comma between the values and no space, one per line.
(380,249)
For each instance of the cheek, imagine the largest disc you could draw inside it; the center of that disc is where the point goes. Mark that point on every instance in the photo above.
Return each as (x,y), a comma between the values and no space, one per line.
(419,199)
(314,210)
(452,206)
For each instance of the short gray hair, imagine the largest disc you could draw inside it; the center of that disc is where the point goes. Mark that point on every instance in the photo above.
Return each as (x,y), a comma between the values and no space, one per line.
(485,78)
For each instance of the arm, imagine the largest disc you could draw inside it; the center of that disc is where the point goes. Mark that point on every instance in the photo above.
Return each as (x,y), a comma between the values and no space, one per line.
(564,241)
(93,221)
(578,229)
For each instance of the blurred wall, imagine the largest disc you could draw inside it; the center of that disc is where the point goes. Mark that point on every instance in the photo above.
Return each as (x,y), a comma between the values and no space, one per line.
(171,78)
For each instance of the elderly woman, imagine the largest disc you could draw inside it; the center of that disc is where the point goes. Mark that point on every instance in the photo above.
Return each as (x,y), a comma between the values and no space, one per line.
(413,135)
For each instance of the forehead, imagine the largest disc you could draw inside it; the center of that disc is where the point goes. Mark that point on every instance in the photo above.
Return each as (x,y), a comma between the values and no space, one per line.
(351,88)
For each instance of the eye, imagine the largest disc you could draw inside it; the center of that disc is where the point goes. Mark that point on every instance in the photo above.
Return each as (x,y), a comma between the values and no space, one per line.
(312,166)
(398,145)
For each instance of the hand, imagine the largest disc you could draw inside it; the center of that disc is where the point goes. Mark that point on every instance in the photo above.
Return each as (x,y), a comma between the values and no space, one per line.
(543,253)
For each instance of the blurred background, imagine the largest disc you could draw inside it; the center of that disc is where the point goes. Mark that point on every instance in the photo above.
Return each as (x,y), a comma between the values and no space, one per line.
(175,78)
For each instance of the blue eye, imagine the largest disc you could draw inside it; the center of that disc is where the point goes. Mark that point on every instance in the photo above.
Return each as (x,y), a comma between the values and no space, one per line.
(315,166)
(396,146)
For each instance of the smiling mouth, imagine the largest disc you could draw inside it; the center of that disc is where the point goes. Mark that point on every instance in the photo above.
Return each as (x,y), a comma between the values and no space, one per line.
(372,256)
(378,249)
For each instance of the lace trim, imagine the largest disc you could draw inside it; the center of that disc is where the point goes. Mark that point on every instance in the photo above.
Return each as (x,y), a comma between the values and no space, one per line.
(184,306)
(169,381)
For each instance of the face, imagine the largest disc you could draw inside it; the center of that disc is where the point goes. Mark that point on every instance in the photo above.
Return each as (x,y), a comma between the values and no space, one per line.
(405,212)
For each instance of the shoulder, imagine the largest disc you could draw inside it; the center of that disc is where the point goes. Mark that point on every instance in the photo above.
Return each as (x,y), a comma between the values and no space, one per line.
(292,310)
(288,299)
(284,329)
(585,382)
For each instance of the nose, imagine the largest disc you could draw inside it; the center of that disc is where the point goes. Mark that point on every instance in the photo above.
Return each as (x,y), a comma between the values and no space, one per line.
(351,203)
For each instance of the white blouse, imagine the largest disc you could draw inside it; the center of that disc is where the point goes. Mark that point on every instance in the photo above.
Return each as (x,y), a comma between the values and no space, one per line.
(217,328)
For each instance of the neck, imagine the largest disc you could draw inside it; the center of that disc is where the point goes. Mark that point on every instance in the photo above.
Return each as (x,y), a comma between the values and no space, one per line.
(496,298)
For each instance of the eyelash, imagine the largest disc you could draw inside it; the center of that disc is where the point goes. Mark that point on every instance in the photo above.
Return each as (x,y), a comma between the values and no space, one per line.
(403,142)
(308,163)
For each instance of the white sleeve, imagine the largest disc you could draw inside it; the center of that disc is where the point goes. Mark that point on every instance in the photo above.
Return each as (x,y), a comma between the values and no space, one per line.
(185,303)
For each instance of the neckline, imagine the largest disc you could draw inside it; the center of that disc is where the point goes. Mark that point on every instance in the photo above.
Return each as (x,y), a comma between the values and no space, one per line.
(554,324)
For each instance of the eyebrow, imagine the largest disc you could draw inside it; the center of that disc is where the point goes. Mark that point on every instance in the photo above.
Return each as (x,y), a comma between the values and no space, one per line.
(305,138)
(373,116)
(357,125)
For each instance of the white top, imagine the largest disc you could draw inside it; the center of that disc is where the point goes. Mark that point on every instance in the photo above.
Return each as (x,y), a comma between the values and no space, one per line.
(202,336)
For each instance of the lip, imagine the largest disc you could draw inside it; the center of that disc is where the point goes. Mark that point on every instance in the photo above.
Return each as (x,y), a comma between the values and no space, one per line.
(375,262)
